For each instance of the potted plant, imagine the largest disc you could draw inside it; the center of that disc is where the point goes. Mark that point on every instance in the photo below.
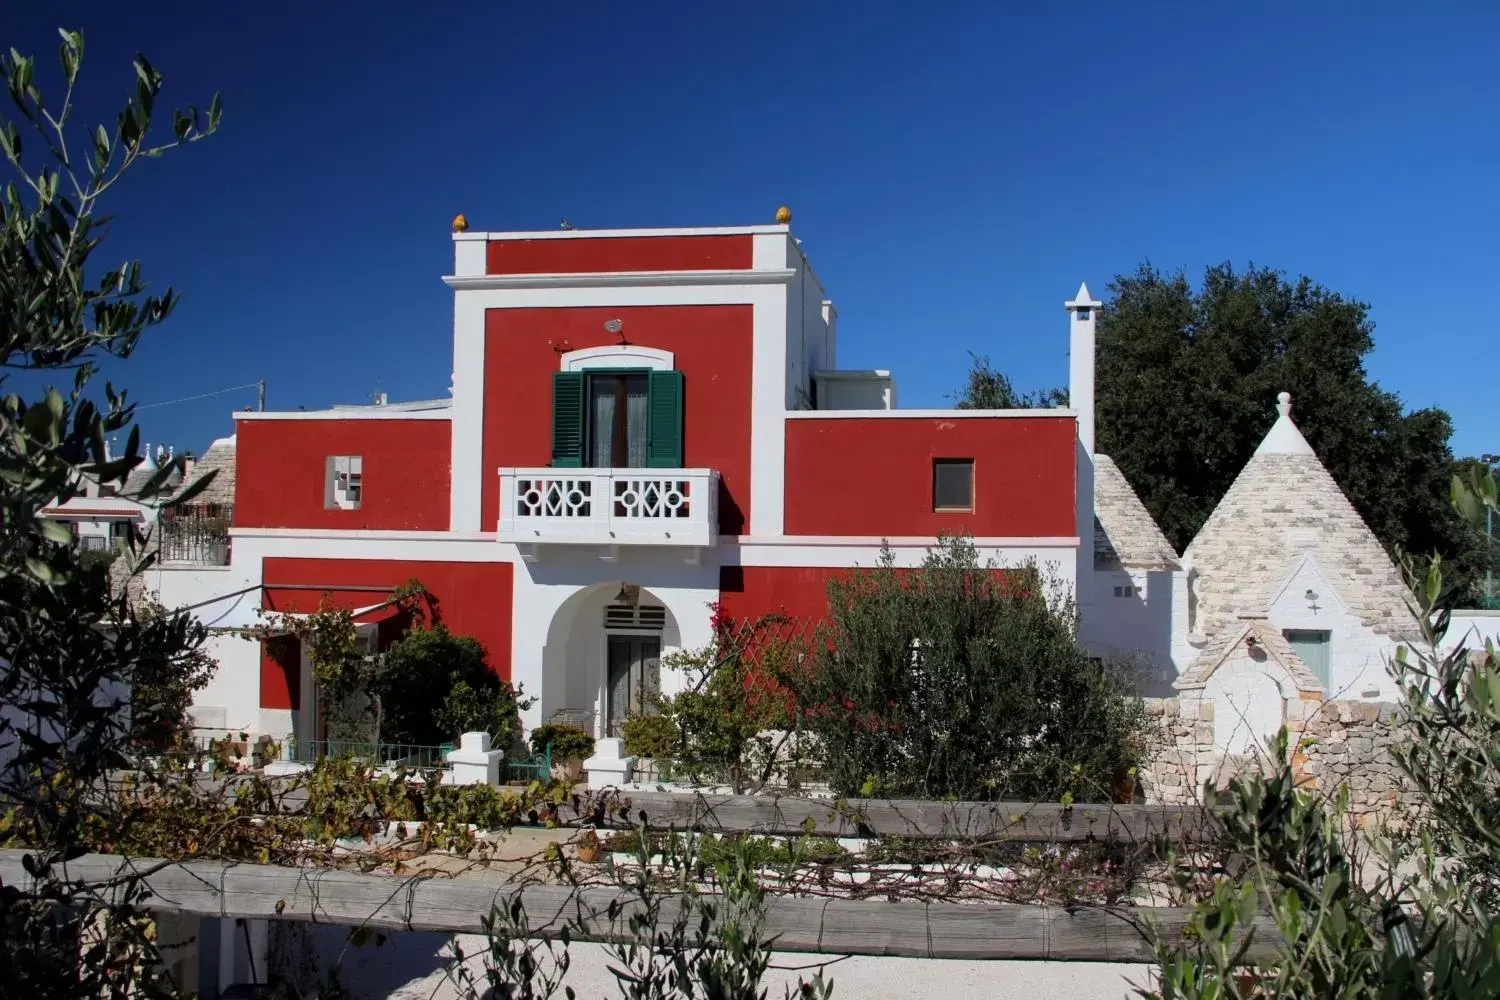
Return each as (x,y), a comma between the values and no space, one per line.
(590,849)
(570,746)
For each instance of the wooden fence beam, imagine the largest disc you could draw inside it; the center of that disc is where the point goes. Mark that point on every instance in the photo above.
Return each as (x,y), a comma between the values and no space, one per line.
(1009,821)
(908,928)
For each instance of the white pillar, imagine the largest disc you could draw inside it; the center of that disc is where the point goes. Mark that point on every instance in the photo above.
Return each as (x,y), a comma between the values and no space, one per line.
(474,762)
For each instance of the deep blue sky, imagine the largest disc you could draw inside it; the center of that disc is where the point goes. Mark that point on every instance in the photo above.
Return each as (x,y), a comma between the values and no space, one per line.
(954,169)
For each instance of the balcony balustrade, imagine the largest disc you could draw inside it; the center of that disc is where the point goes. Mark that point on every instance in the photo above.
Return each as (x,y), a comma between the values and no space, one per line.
(609,507)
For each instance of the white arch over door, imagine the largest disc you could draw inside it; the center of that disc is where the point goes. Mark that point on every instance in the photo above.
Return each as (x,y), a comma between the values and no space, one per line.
(618,356)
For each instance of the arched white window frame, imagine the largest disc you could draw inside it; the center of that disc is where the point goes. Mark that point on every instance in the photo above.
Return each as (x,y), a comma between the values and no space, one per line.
(618,356)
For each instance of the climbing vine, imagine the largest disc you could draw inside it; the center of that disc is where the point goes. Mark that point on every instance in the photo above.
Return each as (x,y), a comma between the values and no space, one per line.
(332,640)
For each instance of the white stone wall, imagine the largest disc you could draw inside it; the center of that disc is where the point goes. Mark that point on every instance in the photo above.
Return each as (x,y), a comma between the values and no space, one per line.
(231,701)
(1137,628)
(1332,743)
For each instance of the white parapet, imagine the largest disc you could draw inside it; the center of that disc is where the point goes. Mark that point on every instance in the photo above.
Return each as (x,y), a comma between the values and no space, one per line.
(474,763)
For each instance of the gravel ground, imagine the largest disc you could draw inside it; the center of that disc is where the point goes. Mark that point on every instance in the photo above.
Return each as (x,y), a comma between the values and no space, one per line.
(410,966)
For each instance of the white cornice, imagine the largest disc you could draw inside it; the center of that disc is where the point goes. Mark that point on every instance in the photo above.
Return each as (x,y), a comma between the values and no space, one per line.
(482,282)
(725,541)
(594,234)
(897,542)
(924,414)
(365,534)
(446,413)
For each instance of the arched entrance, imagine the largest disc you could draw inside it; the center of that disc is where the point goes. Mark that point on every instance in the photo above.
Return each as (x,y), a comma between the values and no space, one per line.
(603,657)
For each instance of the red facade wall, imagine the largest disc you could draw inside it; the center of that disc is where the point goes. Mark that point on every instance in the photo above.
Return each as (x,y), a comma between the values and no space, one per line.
(472,599)
(280,672)
(711,346)
(872,476)
(620,253)
(747,592)
(281,473)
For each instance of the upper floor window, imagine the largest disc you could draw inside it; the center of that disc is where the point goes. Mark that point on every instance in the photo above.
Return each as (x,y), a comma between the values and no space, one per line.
(344,487)
(953,484)
(617,419)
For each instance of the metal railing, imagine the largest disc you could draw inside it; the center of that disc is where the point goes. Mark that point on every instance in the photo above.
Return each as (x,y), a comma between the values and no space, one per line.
(385,754)
(537,767)
(204,541)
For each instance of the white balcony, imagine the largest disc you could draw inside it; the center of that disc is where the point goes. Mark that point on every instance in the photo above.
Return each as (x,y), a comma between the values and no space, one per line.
(609,508)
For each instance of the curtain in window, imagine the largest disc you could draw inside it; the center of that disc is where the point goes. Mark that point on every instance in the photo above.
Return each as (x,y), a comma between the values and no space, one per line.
(602,415)
(635,417)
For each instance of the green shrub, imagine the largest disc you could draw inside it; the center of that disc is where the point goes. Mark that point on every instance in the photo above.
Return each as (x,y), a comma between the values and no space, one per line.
(956,679)
(652,734)
(568,742)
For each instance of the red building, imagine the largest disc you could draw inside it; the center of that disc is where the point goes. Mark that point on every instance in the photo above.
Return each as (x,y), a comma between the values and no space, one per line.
(641,423)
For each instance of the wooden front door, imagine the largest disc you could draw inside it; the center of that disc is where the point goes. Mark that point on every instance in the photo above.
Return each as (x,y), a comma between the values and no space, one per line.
(634,677)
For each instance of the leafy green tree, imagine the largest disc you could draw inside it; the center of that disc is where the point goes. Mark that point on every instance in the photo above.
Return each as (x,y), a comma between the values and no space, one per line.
(1187,381)
(434,686)
(956,679)
(988,389)
(71,645)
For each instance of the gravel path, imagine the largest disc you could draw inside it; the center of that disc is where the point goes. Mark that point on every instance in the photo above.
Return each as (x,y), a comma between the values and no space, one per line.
(409,967)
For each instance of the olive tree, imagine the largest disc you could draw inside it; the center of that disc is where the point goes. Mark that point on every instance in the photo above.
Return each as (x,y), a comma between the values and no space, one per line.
(71,646)
(957,678)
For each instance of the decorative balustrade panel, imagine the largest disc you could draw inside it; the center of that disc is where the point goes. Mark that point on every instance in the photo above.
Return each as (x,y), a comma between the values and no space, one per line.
(653,498)
(571,497)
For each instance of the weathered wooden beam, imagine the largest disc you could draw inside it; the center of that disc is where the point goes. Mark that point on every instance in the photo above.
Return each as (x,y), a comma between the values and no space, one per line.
(1012,821)
(908,928)
(918,818)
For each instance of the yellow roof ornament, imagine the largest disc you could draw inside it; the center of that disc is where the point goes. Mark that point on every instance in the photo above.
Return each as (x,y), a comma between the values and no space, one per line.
(783,215)
(460,224)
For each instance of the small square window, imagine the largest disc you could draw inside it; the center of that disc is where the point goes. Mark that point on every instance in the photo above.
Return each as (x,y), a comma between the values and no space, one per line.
(953,484)
(1083,313)
(1126,591)
(345,482)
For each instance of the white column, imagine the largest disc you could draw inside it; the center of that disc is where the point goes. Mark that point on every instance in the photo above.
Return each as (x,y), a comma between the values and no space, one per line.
(468,411)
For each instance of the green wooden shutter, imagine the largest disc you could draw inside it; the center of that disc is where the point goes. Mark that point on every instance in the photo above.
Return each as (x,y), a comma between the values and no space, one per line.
(567,419)
(664,420)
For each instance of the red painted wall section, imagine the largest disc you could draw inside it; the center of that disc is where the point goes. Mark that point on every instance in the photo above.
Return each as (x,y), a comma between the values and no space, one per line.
(280,673)
(747,592)
(472,599)
(711,346)
(872,476)
(281,472)
(573,255)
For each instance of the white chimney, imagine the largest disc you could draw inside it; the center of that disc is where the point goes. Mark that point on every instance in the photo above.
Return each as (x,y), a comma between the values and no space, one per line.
(1082,312)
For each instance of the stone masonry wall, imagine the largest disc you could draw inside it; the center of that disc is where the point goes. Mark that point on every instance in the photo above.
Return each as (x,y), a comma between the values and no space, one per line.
(1334,743)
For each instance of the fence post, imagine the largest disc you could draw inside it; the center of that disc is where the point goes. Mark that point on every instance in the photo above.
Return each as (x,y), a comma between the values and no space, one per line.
(474,763)
(609,765)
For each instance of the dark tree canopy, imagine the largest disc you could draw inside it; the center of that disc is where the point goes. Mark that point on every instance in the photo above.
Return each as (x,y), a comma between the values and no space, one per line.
(1186,387)
(989,389)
